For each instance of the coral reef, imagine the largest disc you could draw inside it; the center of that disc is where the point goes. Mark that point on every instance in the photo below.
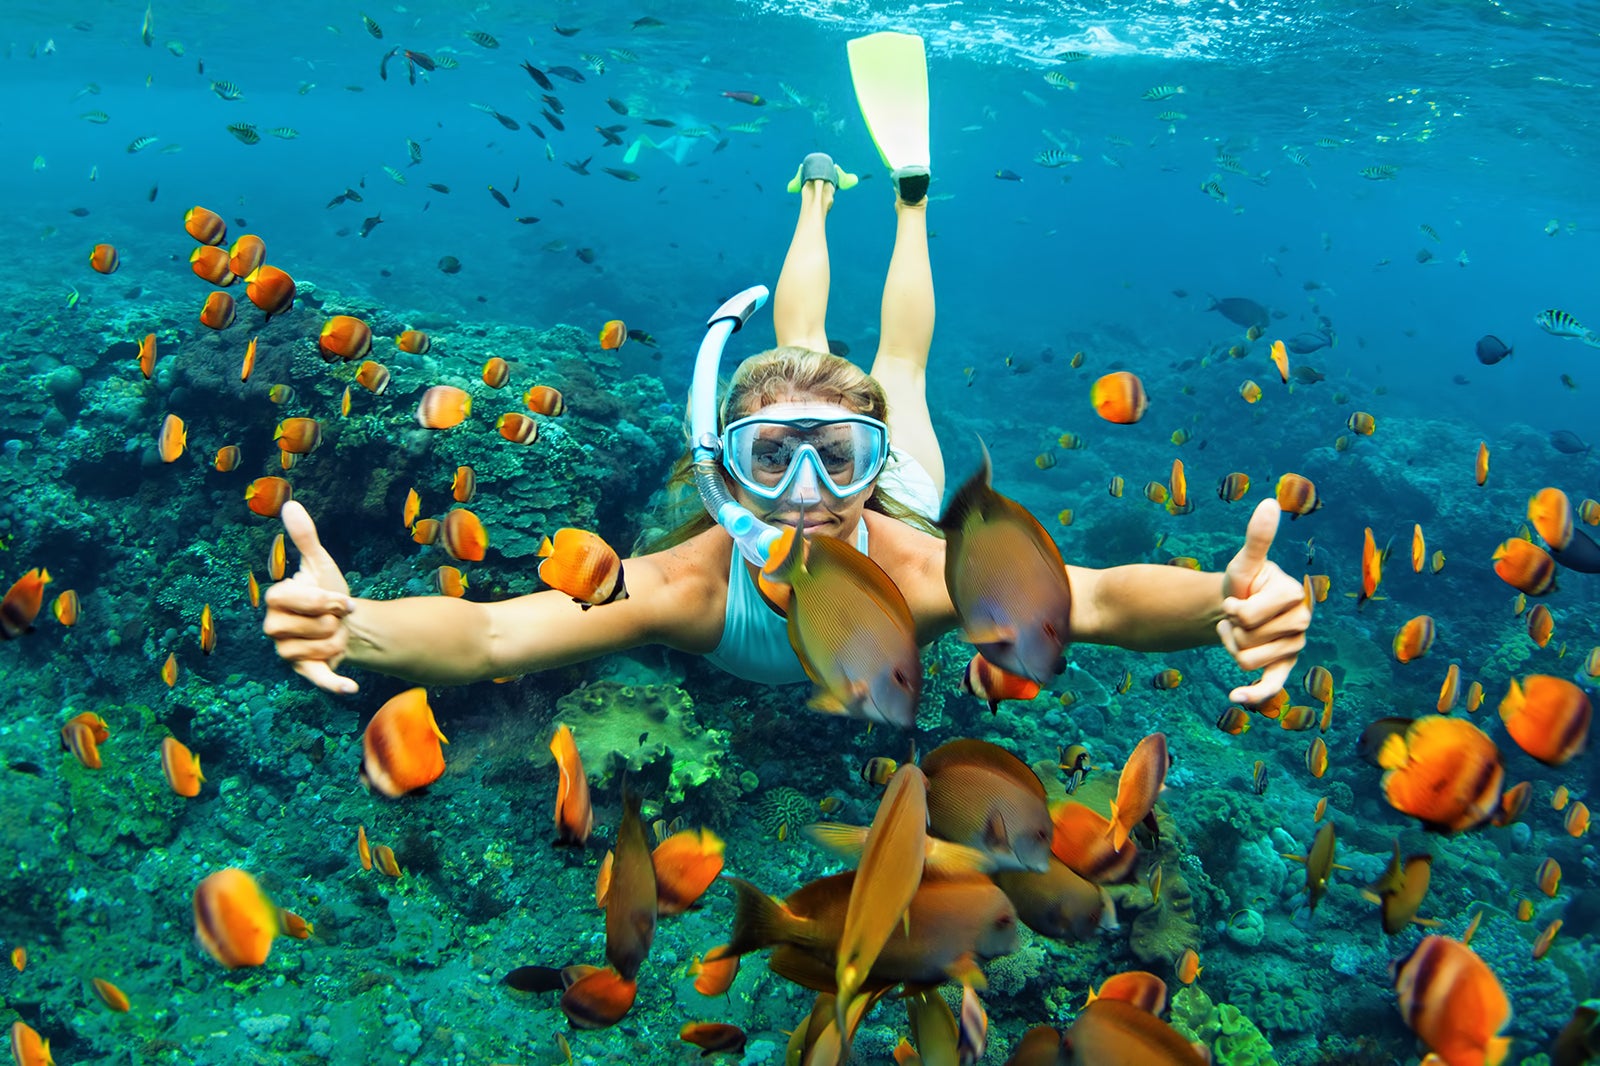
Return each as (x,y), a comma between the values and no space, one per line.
(1233,1038)
(647,731)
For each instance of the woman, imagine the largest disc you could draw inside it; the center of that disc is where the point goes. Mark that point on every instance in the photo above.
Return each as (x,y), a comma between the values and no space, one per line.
(806,435)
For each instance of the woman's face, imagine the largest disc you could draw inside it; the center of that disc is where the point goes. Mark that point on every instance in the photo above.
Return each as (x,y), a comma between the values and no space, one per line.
(832,516)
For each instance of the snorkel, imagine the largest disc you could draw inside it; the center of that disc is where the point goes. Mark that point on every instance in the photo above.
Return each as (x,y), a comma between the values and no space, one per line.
(753,536)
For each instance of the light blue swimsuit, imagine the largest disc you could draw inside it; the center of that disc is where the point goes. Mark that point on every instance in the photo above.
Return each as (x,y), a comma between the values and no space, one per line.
(755,638)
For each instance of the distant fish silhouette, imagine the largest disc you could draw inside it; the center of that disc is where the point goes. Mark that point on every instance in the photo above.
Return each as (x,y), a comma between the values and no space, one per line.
(1492,349)
(1241,311)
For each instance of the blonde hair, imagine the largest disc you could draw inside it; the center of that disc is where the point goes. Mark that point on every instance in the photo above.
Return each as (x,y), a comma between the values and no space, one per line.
(766,378)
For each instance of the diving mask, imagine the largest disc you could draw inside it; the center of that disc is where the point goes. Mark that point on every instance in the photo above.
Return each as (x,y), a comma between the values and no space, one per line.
(795,449)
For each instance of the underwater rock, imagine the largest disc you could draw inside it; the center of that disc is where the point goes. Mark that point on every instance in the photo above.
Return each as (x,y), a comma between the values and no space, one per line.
(1246,928)
(648,731)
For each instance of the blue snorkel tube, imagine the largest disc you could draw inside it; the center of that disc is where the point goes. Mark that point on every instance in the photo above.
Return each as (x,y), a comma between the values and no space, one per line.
(753,537)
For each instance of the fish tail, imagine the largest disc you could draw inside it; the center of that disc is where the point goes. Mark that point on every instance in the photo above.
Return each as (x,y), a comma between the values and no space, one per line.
(759,921)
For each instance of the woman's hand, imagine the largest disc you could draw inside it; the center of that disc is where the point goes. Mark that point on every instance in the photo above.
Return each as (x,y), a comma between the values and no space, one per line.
(306,612)
(1265,616)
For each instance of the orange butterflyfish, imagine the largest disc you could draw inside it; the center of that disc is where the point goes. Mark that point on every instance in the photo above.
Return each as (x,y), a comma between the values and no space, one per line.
(1591,662)
(291,924)
(147,355)
(1480,469)
(277,559)
(1297,495)
(210,264)
(344,337)
(181,768)
(464,485)
(1453,1002)
(83,741)
(267,495)
(1576,822)
(463,536)
(1280,359)
(1166,679)
(401,747)
(205,225)
(426,531)
(1233,487)
(1179,486)
(1541,624)
(1115,486)
(373,376)
(1444,771)
(602,878)
(414,342)
(1317,757)
(582,565)
(218,311)
(614,334)
(991,684)
(1109,1030)
(1321,810)
(208,631)
(233,919)
(1558,801)
(226,458)
(1513,801)
(22,603)
(1189,966)
(713,977)
(1250,391)
(1140,784)
(104,259)
(253,587)
(1140,987)
(1549,877)
(172,439)
(1524,910)
(1550,512)
(28,1048)
(1119,397)
(450,581)
(281,394)
(1234,721)
(249,363)
(247,254)
(65,607)
(713,1037)
(686,864)
(344,403)
(1546,938)
(363,849)
(1413,639)
(298,435)
(19,958)
(496,372)
(517,427)
(443,407)
(413,506)
(599,999)
(1547,716)
(169,669)
(1320,584)
(1474,697)
(1419,549)
(1154,491)
(575,817)
(1297,718)
(1318,684)
(270,289)
(1449,691)
(383,858)
(1363,423)
(544,400)
(1519,604)
(1371,567)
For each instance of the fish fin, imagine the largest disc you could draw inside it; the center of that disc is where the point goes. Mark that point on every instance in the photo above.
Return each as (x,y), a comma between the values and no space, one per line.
(965,969)
(1371,896)
(1393,753)
(827,703)
(994,831)
(845,841)
(1342,866)
(947,859)
(1497,1050)
(993,634)
(1108,915)
(1291,858)
(1428,923)
(759,920)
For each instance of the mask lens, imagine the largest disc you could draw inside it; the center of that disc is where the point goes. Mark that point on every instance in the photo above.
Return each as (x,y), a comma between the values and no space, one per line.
(765,455)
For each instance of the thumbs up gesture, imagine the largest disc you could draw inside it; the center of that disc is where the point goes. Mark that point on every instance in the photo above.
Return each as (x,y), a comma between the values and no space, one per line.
(306,612)
(1264,611)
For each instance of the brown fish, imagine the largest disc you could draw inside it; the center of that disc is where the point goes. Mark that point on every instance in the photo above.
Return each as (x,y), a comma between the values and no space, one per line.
(1007,580)
(983,796)
(1059,903)
(1110,1032)
(631,903)
(1143,777)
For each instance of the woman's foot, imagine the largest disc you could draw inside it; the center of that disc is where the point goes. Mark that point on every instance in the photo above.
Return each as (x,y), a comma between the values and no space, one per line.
(819,166)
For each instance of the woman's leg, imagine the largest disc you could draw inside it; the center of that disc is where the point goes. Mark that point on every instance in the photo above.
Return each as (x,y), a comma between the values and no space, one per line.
(800,304)
(905,336)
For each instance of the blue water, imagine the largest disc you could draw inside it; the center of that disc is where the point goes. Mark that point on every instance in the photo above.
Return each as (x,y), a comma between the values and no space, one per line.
(1486,110)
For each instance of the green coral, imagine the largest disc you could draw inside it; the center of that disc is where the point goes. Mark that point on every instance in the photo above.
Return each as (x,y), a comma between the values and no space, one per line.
(647,730)
(784,806)
(1233,1038)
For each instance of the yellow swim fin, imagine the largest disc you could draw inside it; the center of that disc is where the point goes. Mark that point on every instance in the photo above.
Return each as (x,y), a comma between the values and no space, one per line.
(890,72)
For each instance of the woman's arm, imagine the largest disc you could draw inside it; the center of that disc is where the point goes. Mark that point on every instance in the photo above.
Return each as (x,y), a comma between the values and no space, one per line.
(1145,607)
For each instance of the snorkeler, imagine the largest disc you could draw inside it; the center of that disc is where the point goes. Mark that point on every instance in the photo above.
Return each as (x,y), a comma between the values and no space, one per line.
(802,436)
